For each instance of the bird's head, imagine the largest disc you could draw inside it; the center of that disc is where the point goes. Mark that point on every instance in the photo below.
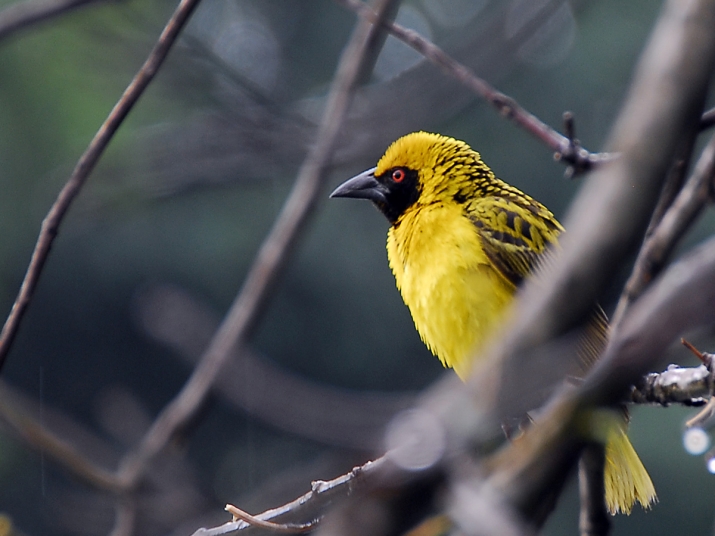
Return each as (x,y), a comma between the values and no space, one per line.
(417,169)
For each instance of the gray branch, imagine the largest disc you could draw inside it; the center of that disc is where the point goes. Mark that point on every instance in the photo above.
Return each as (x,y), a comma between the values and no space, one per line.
(675,385)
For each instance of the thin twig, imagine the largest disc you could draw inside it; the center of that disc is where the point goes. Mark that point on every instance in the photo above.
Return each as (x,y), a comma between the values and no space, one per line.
(703,416)
(23,14)
(85,165)
(267,266)
(321,495)
(690,346)
(658,246)
(284,528)
(42,439)
(577,156)
(574,144)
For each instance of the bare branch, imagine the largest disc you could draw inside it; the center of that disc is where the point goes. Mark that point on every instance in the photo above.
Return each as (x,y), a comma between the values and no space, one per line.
(258,387)
(530,454)
(39,438)
(23,14)
(676,385)
(607,220)
(605,224)
(268,264)
(85,165)
(284,528)
(658,246)
(322,494)
(682,299)
(565,150)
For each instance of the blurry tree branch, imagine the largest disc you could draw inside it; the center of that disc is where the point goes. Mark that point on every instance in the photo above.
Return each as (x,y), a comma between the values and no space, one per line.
(593,518)
(520,471)
(683,298)
(33,433)
(608,217)
(612,212)
(25,13)
(256,386)
(85,165)
(267,266)
(676,221)
(263,137)
(686,291)
(564,147)
(605,224)
(171,495)
(308,506)
(607,220)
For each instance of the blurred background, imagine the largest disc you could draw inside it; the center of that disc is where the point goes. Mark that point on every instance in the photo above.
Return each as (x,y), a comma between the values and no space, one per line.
(157,246)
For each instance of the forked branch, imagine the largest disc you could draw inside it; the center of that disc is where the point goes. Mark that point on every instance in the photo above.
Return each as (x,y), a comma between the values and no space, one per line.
(85,166)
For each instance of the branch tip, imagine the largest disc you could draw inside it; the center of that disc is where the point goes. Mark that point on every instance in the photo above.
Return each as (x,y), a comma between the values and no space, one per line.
(285,528)
(700,355)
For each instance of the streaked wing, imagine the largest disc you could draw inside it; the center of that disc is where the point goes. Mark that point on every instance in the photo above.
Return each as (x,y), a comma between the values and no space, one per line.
(514,238)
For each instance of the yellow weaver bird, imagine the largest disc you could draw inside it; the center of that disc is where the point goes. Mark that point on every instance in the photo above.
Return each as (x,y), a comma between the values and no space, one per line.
(460,243)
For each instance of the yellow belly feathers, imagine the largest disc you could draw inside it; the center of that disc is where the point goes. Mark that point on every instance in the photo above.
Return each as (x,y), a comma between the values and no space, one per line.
(456,298)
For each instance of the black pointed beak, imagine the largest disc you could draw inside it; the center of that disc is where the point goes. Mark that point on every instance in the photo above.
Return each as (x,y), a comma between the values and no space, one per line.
(363,186)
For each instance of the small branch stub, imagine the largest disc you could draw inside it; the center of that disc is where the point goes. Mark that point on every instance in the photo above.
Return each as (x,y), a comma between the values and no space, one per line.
(679,385)
(283,528)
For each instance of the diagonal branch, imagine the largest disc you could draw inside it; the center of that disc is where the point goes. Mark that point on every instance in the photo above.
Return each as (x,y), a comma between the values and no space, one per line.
(254,385)
(268,264)
(309,505)
(607,220)
(34,434)
(606,223)
(85,165)
(658,246)
(565,149)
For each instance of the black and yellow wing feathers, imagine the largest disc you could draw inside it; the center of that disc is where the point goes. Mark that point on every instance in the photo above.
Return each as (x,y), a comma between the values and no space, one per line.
(516,237)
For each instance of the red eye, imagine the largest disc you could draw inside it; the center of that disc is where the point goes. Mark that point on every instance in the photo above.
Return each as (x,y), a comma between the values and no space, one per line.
(398,175)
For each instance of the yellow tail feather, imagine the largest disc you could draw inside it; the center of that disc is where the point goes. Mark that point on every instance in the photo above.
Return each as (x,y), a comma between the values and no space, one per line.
(625,479)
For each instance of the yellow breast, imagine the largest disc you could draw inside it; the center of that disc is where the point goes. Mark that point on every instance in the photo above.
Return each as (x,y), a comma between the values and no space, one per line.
(457,300)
